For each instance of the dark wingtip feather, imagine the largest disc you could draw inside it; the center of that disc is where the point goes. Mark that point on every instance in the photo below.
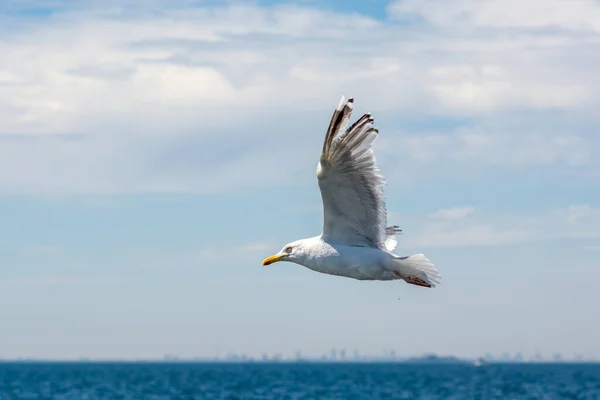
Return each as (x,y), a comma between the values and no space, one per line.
(344,109)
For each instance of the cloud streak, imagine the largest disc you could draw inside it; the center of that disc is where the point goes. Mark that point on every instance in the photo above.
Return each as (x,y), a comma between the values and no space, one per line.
(577,15)
(465,227)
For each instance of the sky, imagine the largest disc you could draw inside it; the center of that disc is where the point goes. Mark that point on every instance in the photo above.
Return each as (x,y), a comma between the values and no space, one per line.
(152,154)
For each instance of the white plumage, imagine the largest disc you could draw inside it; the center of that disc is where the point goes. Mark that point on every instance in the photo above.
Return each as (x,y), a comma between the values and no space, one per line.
(356,241)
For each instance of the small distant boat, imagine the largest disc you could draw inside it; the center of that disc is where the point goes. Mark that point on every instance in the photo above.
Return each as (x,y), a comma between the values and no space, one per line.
(479,362)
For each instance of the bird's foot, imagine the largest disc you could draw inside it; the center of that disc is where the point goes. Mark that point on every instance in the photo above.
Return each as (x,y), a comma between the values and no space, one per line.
(413,280)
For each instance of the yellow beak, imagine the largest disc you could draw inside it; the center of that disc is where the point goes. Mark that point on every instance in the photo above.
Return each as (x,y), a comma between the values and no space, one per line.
(272,259)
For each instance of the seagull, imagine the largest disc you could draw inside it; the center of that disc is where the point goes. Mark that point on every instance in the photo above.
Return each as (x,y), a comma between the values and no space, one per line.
(355,241)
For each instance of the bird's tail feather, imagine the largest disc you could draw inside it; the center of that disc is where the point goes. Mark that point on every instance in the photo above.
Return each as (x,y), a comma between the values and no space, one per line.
(416,270)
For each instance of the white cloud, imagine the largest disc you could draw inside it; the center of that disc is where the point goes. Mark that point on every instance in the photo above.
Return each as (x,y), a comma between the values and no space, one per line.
(463,227)
(500,148)
(259,247)
(567,14)
(39,282)
(516,59)
(98,100)
(235,254)
(578,212)
(469,236)
(452,213)
(486,88)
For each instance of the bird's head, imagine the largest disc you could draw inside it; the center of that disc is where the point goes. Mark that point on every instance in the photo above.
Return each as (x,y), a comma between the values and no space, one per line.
(293,252)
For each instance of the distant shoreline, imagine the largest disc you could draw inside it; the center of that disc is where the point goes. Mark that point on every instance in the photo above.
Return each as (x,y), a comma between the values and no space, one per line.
(288,362)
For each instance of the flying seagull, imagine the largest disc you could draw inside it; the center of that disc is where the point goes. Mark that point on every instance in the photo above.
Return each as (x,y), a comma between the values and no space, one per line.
(356,241)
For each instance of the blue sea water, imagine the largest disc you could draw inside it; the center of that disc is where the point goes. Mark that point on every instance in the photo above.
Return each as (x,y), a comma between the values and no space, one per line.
(158,381)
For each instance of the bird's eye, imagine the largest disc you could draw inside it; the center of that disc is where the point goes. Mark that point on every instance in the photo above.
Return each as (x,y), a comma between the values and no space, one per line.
(288,249)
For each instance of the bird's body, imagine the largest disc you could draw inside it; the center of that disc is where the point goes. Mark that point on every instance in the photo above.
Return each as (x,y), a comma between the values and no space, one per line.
(356,241)
(362,263)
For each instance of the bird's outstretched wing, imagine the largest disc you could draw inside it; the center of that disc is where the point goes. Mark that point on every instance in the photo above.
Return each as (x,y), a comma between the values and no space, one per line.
(350,182)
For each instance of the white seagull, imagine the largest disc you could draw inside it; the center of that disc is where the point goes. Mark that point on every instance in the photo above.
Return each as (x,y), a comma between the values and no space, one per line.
(355,242)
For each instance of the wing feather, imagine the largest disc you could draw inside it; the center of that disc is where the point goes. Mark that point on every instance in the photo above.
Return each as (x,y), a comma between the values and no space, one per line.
(351,184)
(391,240)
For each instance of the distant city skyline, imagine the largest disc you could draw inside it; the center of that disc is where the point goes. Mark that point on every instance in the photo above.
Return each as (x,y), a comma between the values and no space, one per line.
(331,356)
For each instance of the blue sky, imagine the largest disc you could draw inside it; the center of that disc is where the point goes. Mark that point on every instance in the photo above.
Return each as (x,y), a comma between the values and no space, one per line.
(151,157)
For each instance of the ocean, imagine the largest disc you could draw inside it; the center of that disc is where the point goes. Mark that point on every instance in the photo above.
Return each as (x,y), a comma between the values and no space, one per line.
(162,381)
